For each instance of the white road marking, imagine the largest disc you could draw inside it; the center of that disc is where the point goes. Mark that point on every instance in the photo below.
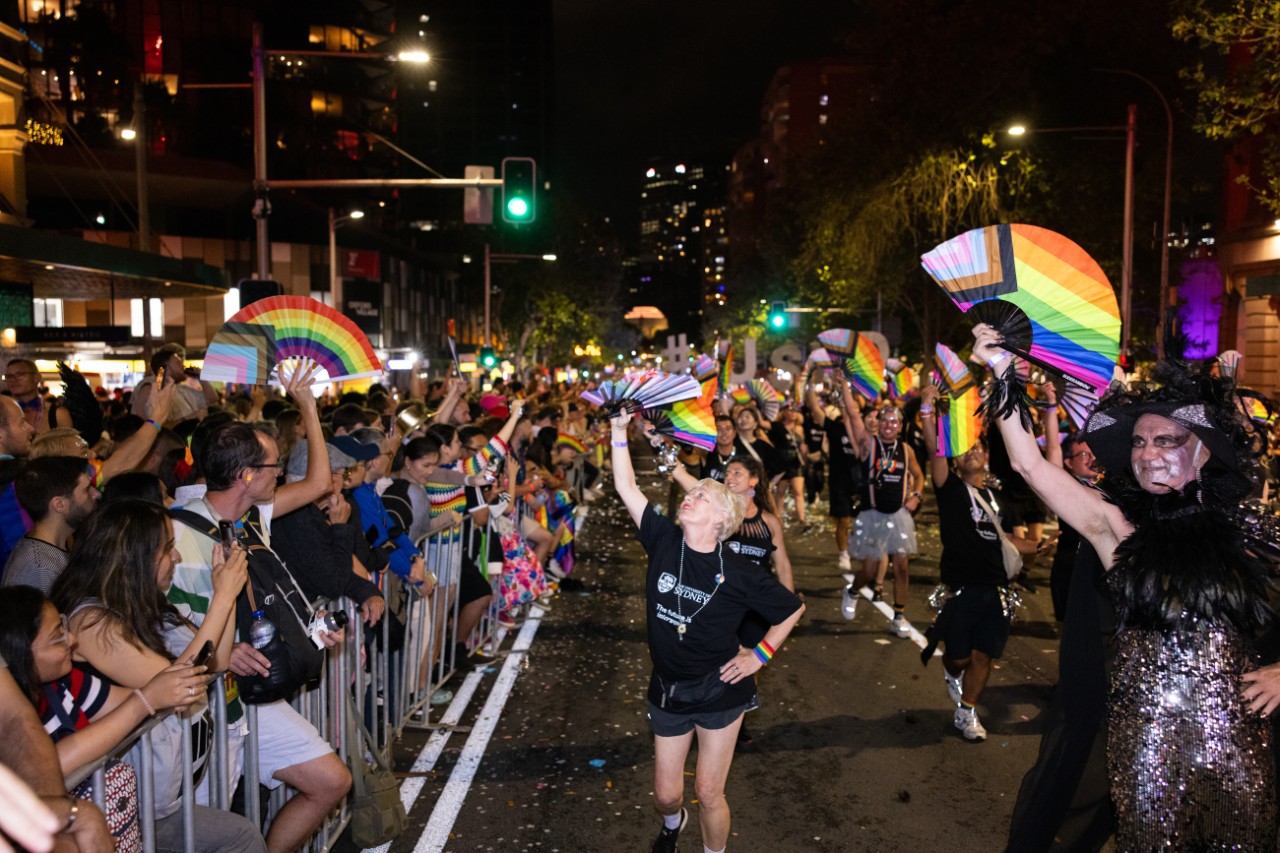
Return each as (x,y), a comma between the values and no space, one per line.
(436,833)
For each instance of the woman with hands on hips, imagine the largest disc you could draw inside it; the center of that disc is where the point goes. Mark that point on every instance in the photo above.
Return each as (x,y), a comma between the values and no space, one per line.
(697,593)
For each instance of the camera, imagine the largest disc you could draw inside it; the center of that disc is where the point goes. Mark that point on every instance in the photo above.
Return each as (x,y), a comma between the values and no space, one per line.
(325,623)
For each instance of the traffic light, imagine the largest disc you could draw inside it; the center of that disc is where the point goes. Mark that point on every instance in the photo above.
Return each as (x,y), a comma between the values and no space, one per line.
(488,359)
(519,189)
(777,315)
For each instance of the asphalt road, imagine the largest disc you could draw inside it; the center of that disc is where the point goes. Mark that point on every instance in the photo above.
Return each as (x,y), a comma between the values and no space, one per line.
(853,748)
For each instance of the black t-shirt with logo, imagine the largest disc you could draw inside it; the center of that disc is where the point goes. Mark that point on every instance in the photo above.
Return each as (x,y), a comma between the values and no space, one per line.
(971,550)
(813,434)
(886,470)
(845,466)
(711,615)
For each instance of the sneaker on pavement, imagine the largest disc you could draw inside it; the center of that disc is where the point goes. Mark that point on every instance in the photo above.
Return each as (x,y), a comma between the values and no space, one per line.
(967,722)
(900,625)
(843,562)
(666,840)
(878,594)
(505,620)
(955,686)
(849,602)
(553,569)
(476,658)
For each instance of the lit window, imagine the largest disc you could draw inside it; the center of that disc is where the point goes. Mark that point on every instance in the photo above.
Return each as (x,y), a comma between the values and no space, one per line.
(823,100)
(822,118)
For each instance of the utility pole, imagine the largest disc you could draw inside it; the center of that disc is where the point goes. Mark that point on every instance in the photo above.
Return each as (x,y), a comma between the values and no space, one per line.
(1126,273)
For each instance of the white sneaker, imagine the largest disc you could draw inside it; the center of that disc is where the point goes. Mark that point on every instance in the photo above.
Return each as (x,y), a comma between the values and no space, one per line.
(842,562)
(955,686)
(967,722)
(849,602)
(901,626)
(553,569)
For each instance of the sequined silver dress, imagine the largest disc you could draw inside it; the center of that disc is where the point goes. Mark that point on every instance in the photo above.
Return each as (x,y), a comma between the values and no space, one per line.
(1190,768)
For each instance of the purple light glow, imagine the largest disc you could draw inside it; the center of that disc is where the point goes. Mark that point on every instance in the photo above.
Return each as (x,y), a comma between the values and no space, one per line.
(1202,291)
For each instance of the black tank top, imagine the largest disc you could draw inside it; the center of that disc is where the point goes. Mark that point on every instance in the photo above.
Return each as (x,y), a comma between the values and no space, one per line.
(754,539)
(886,476)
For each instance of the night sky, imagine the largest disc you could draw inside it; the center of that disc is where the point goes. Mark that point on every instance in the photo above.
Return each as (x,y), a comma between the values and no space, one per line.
(641,78)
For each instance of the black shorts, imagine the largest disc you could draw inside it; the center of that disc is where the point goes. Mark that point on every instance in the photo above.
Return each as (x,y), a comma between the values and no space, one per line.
(668,724)
(1026,508)
(472,585)
(976,622)
(842,505)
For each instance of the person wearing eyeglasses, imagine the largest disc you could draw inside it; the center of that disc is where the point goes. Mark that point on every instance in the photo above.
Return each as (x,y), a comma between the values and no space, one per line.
(22,378)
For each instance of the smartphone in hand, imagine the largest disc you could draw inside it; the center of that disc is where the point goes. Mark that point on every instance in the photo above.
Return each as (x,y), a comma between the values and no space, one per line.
(205,654)
(227,535)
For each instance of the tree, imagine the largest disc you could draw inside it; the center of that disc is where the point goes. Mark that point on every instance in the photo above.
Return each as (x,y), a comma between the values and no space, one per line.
(1238,84)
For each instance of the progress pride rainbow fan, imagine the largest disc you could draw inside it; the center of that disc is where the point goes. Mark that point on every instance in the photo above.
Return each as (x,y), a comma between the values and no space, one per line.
(651,389)
(261,336)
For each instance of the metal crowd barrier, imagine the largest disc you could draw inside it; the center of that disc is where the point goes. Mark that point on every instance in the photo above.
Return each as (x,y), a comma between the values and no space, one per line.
(392,691)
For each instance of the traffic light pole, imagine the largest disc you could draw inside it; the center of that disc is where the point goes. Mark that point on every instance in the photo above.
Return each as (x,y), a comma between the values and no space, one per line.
(488,341)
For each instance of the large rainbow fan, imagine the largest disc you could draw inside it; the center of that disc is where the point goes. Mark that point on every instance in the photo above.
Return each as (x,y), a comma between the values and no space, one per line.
(262,335)
(821,358)
(740,396)
(954,375)
(959,424)
(838,341)
(1049,300)
(688,421)
(649,389)
(865,368)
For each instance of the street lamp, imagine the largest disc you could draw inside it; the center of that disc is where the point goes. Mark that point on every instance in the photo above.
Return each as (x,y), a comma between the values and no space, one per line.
(335,280)
(262,208)
(501,257)
(1126,271)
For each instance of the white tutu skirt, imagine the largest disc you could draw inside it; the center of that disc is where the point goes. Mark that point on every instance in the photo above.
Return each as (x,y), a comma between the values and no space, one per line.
(876,534)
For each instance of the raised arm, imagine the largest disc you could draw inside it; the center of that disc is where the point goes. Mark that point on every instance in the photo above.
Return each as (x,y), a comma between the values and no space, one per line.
(1052,447)
(811,401)
(135,448)
(317,482)
(938,470)
(457,387)
(852,416)
(1079,506)
(624,476)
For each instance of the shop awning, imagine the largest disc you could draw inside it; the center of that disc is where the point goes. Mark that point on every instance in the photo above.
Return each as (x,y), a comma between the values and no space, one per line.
(60,266)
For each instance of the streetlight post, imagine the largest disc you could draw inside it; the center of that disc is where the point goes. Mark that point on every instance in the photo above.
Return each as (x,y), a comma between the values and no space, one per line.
(262,206)
(1168,197)
(500,257)
(1126,272)
(335,280)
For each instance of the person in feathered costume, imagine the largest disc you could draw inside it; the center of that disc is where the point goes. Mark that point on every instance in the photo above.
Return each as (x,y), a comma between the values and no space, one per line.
(1188,559)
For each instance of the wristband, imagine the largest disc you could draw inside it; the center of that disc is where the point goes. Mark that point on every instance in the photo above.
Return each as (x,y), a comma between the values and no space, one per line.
(925,411)
(72,814)
(997,359)
(619,443)
(153,423)
(764,652)
(151,712)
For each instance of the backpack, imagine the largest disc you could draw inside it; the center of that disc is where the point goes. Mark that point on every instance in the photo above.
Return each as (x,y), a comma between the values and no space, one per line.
(295,660)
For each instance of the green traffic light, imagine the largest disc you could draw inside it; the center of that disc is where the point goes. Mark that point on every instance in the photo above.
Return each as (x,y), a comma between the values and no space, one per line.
(518,207)
(777,321)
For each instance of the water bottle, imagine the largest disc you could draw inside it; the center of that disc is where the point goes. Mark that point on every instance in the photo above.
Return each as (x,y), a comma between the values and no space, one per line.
(262,631)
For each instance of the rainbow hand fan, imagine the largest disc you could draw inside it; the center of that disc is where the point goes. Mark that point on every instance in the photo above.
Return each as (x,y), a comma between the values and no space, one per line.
(257,338)
(951,375)
(650,389)
(959,424)
(1049,300)
(767,398)
(688,421)
(705,368)
(740,396)
(902,383)
(838,341)
(726,367)
(865,368)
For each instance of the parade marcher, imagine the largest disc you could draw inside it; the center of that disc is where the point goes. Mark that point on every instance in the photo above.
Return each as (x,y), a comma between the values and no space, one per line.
(725,450)
(885,527)
(787,436)
(697,594)
(844,474)
(1188,569)
(974,624)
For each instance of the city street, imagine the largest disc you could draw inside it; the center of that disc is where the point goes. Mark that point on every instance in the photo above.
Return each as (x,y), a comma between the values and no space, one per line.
(853,748)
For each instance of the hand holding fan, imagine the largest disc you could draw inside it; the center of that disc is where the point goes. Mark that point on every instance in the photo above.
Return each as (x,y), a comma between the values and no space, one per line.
(260,336)
(1050,301)
(865,368)
(838,342)
(650,389)
(688,421)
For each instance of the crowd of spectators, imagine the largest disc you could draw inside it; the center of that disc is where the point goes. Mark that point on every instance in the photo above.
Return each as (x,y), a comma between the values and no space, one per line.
(145,532)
